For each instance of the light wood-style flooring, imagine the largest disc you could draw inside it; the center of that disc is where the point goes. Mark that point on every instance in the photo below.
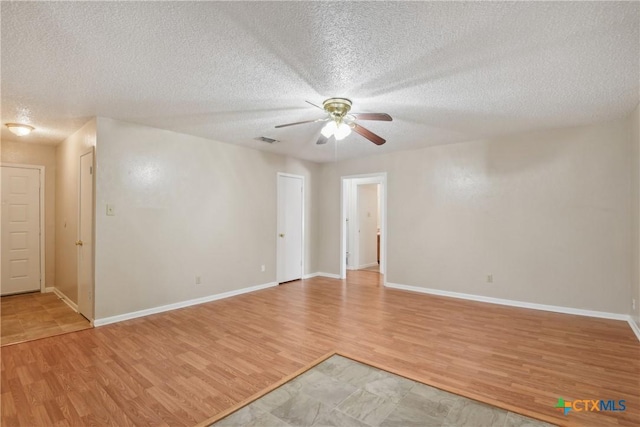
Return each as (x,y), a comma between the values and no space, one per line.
(27,317)
(184,366)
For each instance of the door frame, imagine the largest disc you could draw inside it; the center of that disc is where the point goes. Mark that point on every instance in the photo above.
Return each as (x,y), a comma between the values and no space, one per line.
(290,175)
(370,178)
(43,285)
(93,231)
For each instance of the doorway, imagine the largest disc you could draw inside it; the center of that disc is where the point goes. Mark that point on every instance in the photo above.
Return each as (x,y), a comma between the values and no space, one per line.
(290,228)
(22,229)
(363,223)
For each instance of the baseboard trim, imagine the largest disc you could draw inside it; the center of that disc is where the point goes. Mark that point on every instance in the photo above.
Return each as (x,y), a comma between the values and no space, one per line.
(321,274)
(49,289)
(64,298)
(373,264)
(521,304)
(634,327)
(177,305)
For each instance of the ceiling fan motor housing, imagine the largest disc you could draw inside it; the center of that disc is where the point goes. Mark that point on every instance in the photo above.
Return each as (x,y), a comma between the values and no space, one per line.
(337,108)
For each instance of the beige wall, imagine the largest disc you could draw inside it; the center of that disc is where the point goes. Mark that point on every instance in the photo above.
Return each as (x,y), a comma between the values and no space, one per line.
(635,200)
(68,165)
(41,155)
(547,213)
(186,207)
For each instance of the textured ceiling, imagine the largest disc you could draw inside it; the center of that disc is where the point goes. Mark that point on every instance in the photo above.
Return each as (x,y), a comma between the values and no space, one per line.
(446,71)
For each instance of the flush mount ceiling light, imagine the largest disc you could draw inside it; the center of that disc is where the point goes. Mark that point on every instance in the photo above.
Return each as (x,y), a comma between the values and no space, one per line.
(19,129)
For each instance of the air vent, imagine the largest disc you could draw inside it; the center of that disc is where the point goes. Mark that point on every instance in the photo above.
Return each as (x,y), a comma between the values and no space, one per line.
(265,139)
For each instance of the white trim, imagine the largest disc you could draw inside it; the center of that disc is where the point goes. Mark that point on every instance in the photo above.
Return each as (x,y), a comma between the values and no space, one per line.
(49,289)
(290,175)
(634,327)
(42,213)
(64,298)
(181,304)
(321,274)
(521,304)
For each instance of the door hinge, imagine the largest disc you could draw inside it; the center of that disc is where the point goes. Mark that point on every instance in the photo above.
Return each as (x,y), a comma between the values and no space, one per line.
(90,170)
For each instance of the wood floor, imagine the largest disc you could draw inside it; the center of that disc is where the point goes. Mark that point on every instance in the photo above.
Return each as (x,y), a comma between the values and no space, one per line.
(184,366)
(36,315)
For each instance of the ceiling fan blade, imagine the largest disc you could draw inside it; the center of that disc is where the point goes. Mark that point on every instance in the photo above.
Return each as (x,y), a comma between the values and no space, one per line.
(317,106)
(368,134)
(300,123)
(323,139)
(372,116)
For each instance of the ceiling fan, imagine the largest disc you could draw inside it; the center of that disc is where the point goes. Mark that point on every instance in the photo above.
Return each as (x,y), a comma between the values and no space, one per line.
(341,122)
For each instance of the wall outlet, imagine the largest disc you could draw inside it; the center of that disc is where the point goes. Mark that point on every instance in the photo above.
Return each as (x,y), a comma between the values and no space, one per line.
(263,268)
(633,303)
(198,280)
(111,210)
(489,278)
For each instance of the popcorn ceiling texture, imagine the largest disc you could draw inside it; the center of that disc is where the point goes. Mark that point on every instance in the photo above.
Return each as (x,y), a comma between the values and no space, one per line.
(446,72)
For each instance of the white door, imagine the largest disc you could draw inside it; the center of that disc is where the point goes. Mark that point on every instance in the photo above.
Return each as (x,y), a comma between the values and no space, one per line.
(290,212)
(85,237)
(20,230)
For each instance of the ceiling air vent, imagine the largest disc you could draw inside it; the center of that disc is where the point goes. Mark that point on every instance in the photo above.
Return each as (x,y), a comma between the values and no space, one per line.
(265,139)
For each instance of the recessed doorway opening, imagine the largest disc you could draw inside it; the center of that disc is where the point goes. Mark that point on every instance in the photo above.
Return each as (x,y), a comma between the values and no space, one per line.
(363,223)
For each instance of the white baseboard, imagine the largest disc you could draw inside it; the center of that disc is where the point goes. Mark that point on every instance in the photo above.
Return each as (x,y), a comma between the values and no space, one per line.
(521,304)
(373,264)
(49,289)
(182,304)
(634,327)
(64,298)
(321,274)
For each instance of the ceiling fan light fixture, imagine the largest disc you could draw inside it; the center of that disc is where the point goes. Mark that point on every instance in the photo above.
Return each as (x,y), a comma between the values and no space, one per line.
(342,131)
(329,129)
(19,129)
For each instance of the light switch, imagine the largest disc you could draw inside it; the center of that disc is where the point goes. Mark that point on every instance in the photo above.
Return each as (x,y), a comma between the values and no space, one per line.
(111,210)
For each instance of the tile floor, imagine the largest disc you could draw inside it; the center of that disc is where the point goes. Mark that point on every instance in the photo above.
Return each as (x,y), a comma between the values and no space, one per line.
(36,315)
(342,392)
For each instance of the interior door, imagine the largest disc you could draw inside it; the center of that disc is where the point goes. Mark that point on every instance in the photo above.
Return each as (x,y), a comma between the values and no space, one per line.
(20,230)
(290,223)
(85,237)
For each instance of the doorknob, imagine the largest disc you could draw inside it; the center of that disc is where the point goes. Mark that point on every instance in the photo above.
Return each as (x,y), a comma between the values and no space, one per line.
(79,243)
(281,234)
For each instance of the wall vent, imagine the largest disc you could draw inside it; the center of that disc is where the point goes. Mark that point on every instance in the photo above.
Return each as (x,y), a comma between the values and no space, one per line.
(265,139)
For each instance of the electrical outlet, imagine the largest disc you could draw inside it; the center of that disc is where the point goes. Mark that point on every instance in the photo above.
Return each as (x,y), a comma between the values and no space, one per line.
(633,303)
(489,278)
(198,280)
(111,210)
(263,268)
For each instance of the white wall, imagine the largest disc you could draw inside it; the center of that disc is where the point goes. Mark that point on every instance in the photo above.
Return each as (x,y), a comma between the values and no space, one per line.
(185,207)
(367,224)
(41,155)
(635,201)
(68,154)
(547,213)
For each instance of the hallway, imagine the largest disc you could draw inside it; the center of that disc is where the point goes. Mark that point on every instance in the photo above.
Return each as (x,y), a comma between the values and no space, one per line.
(27,317)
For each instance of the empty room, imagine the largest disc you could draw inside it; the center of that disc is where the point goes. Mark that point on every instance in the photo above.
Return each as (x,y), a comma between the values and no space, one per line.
(320,213)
